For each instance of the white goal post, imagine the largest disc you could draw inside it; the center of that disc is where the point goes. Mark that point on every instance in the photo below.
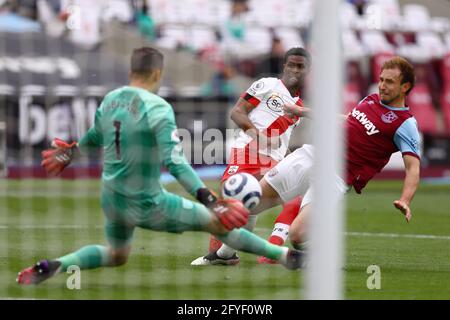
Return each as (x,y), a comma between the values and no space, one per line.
(324,272)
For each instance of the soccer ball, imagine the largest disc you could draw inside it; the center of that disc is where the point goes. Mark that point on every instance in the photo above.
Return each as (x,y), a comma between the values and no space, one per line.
(243,187)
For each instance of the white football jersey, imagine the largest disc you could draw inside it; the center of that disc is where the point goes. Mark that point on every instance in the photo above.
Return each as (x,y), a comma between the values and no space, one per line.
(268,95)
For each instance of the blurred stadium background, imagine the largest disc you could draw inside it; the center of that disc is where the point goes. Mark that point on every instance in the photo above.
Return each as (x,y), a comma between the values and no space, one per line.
(59,57)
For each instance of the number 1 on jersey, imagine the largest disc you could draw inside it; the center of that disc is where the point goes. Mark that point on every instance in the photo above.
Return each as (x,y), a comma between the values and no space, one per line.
(117,138)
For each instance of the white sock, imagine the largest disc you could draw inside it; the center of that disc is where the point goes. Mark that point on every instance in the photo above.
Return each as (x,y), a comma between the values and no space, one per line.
(226,251)
(281,230)
(283,258)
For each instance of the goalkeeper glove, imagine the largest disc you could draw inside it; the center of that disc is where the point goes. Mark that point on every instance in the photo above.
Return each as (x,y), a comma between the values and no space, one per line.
(230,212)
(54,160)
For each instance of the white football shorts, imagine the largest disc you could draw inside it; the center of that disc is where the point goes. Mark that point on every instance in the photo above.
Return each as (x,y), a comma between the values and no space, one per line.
(291,177)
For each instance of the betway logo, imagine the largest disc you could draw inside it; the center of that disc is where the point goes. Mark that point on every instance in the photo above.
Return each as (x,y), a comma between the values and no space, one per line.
(362,118)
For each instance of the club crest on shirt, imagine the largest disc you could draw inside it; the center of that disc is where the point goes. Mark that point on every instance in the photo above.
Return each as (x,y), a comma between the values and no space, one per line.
(273,172)
(389,117)
(233,169)
(275,103)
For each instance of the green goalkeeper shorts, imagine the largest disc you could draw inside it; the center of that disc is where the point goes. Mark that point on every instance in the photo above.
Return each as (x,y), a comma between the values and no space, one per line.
(166,212)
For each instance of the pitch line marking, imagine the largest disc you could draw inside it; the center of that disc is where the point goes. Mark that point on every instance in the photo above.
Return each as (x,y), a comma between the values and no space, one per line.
(19,298)
(349,234)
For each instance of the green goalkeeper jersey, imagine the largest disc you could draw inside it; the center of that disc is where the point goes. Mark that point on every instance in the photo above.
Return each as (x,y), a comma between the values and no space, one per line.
(138,133)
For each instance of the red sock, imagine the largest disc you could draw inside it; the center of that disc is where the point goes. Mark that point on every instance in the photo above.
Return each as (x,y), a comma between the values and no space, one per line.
(286,217)
(214,244)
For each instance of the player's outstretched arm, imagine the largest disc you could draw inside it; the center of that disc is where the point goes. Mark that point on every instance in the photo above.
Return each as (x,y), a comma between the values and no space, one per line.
(292,110)
(55,159)
(305,112)
(410,184)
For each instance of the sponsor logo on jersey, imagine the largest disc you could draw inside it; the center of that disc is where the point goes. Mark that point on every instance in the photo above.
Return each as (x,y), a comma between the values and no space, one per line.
(275,103)
(362,118)
(233,169)
(389,117)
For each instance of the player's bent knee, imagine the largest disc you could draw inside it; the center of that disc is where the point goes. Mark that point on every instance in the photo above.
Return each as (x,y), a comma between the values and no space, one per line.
(295,237)
(216,227)
(297,231)
(118,260)
(269,198)
(119,257)
(268,192)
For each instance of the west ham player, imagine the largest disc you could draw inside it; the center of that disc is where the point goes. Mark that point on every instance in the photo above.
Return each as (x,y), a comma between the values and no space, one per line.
(263,142)
(377,127)
(137,131)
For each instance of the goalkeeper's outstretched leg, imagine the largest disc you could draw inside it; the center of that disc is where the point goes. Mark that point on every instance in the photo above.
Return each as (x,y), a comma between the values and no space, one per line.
(88,257)
(173,214)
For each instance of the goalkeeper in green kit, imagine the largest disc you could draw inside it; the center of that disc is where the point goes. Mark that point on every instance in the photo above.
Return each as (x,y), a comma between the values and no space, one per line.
(137,131)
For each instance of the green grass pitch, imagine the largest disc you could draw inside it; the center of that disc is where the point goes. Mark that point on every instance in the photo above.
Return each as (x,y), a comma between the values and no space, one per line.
(49,218)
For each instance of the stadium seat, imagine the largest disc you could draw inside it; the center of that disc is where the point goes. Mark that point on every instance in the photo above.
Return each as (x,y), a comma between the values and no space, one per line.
(259,14)
(373,88)
(219,10)
(447,40)
(160,10)
(440,24)
(348,15)
(421,106)
(270,14)
(353,49)
(120,10)
(286,13)
(187,12)
(387,3)
(382,15)
(173,36)
(201,37)
(375,42)
(351,96)
(86,31)
(432,43)
(414,52)
(259,38)
(290,37)
(415,17)
(184,12)
(376,64)
(204,12)
(289,15)
(445,71)
(445,107)
(304,13)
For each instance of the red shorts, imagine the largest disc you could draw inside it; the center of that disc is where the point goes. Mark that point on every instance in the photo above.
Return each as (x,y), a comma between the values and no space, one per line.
(241,162)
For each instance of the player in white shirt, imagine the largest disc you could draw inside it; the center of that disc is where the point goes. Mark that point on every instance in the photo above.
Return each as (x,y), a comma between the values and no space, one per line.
(263,141)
